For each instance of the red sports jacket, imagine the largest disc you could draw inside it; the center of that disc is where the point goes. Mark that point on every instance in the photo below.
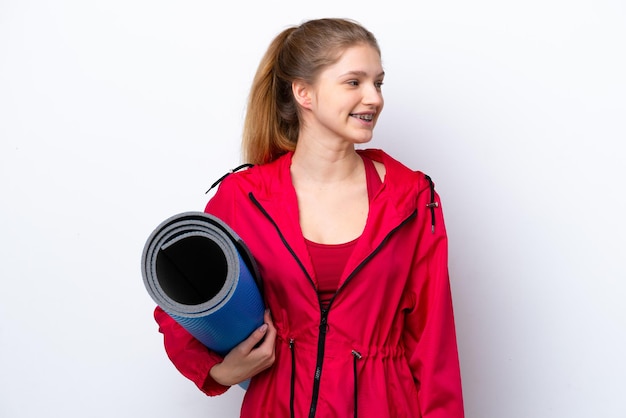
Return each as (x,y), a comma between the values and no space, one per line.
(386,346)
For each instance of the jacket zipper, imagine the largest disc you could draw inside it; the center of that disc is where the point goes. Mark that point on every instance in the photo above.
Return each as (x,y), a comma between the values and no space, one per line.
(321,345)
(292,384)
(323,328)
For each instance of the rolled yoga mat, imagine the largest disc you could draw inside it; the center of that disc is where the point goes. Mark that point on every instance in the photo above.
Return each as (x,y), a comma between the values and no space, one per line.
(201,273)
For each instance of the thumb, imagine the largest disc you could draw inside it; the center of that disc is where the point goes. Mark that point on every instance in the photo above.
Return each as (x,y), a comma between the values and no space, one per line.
(255,338)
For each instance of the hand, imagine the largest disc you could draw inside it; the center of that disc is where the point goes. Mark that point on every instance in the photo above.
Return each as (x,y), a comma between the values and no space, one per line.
(250,357)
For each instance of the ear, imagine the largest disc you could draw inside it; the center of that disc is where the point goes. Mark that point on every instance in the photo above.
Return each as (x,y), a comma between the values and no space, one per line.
(302,93)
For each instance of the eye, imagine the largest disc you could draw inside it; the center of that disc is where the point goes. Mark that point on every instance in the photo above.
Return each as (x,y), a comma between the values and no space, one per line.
(353,83)
(379,84)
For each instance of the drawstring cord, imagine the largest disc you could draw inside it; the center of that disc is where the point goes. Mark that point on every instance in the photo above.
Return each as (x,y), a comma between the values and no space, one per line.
(293,376)
(242,166)
(432,205)
(355,356)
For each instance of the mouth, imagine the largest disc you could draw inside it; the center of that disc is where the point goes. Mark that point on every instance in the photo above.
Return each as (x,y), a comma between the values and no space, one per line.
(368,117)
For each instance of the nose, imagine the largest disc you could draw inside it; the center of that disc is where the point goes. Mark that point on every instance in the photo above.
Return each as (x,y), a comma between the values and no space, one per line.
(373,96)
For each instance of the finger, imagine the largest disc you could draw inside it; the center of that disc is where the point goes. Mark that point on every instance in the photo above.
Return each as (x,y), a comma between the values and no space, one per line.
(271,332)
(257,335)
(265,348)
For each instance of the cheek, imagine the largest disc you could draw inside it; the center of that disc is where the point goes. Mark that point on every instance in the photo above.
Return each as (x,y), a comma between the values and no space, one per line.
(380,109)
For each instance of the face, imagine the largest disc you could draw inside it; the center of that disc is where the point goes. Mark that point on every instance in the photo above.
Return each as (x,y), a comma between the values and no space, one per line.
(346,99)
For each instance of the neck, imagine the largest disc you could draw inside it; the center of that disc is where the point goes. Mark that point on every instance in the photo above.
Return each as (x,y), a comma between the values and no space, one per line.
(322,164)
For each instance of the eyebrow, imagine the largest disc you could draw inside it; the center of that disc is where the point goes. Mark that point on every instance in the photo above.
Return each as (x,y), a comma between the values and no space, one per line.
(361,73)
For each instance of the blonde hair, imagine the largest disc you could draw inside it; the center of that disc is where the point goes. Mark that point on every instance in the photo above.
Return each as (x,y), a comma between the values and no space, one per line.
(272,123)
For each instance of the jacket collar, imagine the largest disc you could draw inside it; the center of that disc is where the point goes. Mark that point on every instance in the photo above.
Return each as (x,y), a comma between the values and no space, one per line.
(393,204)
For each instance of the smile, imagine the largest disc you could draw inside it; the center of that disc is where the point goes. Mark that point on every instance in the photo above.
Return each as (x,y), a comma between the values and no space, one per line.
(367,117)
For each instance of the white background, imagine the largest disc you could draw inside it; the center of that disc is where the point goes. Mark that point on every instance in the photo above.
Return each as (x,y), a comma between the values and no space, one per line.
(117,114)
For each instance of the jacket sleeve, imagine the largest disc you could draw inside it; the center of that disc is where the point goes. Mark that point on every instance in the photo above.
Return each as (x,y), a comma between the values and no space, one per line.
(430,336)
(192,359)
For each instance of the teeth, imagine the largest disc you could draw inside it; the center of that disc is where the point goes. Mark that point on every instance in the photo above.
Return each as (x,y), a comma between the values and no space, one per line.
(364,117)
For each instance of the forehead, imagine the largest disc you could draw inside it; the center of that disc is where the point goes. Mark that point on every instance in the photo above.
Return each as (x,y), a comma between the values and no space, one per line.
(361,58)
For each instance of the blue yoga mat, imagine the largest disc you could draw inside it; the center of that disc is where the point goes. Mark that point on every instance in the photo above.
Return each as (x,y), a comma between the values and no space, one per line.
(201,273)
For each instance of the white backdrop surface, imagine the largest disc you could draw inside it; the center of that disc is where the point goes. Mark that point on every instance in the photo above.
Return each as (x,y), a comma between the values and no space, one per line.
(117,114)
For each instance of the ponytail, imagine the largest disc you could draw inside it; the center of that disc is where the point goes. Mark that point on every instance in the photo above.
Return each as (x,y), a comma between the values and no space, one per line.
(265,138)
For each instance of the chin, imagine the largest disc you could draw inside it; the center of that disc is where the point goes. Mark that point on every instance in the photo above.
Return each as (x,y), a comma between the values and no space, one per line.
(362,140)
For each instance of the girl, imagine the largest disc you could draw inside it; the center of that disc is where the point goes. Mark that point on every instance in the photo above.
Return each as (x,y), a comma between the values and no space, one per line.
(350,244)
